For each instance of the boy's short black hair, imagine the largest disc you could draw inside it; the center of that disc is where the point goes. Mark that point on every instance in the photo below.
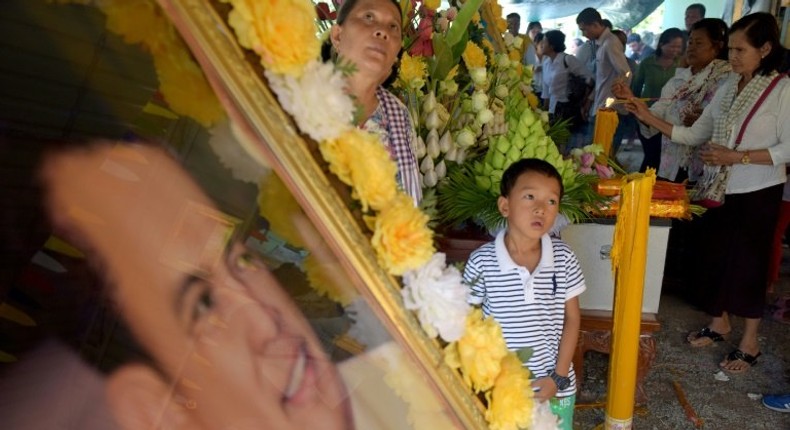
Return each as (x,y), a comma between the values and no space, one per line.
(526,165)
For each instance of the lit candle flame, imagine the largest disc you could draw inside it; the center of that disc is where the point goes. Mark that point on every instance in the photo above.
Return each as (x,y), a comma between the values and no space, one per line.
(609,102)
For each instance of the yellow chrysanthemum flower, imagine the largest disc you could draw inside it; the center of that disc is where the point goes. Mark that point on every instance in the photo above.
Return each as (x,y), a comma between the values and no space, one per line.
(479,352)
(285,33)
(329,280)
(474,56)
(432,4)
(401,236)
(372,171)
(185,88)
(412,71)
(139,21)
(510,402)
(277,205)
(337,155)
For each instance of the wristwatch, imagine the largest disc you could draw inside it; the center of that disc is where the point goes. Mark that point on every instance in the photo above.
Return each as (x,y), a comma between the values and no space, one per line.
(562,382)
(745,159)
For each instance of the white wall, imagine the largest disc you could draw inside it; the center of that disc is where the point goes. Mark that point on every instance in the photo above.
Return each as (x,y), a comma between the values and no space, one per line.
(675,11)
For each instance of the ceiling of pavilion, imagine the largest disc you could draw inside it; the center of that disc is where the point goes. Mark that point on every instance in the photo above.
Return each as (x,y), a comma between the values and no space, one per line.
(622,13)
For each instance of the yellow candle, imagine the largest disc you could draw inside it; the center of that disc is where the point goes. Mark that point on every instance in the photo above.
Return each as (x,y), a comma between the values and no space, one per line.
(629,259)
(606,121)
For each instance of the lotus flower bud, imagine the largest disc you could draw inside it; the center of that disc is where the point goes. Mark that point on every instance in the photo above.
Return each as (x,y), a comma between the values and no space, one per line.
(478,75)
(429,103)
(501,91)
(419,147)
(484,116)
(440,169)
(433,135)
(446,142)
(431,178)
(544,116)
(502,60)
(451,154)
(432,120)
(465,138)
(433,148)
(461,156)
(426,165)
(479,101)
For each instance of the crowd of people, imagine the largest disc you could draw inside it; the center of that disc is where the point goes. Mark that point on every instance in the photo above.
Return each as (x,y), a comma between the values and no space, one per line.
(715,114)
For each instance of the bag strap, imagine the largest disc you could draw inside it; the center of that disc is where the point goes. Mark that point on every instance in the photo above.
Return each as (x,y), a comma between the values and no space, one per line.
(757,106)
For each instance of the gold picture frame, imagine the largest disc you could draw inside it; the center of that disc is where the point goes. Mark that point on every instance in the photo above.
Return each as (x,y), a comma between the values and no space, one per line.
(270,136)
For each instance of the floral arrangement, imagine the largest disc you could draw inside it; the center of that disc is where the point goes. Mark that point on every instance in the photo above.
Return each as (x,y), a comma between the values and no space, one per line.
(400,233)
(472,104)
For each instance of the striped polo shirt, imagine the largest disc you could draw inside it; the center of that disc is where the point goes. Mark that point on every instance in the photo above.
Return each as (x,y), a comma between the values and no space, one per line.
(530,307)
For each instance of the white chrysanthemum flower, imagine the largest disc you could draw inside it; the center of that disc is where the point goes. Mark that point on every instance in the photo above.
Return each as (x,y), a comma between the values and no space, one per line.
(316,100)
(542,418)
(437,293)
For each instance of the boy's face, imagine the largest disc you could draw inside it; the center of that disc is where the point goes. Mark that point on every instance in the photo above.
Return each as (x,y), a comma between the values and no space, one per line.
(235,350)
(532,205)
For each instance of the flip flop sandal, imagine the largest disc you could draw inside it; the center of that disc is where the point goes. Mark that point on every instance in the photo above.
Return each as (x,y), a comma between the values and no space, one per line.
(705,333)
(736,355)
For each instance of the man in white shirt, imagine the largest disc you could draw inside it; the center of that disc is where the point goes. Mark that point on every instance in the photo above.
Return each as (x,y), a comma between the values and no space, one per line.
(610,61)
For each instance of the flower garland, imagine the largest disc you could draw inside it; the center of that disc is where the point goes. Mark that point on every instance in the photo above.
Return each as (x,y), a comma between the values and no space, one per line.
(401,237)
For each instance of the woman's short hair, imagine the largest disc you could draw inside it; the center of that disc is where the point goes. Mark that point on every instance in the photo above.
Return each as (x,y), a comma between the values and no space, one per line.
(716,29)
(555,39)
(761,28)
(668,36)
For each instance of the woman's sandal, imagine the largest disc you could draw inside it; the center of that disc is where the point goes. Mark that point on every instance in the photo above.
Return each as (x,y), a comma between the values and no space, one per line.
(705,336)
(736,355)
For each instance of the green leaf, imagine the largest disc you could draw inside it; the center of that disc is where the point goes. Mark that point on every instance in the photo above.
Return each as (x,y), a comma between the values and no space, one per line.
(442,61)
(461,22)
(524,354)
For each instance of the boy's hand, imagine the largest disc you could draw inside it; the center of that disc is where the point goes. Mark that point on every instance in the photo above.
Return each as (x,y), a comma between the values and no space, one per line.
(546,388)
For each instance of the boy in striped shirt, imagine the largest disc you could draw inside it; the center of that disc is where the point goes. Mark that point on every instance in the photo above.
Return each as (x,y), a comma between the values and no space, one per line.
(530,282)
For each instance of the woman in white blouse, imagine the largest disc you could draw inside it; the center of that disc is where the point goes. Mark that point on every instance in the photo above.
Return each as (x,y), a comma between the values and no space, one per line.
(738,234)
(557,67)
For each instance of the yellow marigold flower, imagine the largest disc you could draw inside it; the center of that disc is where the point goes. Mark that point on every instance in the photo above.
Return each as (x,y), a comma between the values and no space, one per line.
(473,56)
(514,55)
(479,352)
(401,236)
(532,99)
(185,88)
(277,205)
(412,71)
(510,402)
(452,73)
(329,280)
(432,4)
(286,34)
